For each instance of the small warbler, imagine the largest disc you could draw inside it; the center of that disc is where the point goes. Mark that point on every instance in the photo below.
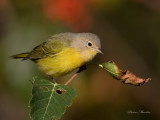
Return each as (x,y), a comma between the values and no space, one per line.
(64,52)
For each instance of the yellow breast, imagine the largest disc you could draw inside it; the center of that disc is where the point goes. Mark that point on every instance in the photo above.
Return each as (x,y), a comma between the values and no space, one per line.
(61,63)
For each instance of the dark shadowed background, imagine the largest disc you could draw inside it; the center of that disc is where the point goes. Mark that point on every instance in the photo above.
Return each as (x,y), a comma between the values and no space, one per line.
(130,34)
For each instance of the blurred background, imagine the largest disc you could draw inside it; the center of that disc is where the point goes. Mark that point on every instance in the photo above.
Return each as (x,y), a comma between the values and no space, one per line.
(130,34)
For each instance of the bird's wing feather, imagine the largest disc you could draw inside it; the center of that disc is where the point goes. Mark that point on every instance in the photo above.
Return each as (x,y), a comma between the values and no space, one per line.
(49,48)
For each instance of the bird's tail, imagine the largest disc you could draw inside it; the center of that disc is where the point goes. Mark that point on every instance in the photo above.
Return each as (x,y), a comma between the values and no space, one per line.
(21,55)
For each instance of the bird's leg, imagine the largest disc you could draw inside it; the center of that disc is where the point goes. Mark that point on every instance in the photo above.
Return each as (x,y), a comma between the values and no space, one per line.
(53,80)
(82,68)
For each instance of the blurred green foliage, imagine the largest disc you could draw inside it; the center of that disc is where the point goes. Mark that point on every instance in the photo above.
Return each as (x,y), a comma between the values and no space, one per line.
(130,36)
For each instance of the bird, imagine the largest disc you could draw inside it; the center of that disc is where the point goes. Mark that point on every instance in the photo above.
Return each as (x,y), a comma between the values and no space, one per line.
(63,52)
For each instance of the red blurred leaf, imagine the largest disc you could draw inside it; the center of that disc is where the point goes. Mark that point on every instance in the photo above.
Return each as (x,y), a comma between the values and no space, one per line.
(74,13)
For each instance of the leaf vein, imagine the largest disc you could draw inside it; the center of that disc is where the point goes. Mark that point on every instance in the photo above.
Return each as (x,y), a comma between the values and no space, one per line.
(48,102)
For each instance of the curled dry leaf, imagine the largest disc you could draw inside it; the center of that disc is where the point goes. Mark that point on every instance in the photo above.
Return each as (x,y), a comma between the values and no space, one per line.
(126,77)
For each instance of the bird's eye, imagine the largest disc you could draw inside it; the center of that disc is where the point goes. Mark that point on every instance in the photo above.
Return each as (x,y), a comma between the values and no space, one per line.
(89,44)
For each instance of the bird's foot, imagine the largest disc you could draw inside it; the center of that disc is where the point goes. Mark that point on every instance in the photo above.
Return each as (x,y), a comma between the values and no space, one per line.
(53,80)
(82,68)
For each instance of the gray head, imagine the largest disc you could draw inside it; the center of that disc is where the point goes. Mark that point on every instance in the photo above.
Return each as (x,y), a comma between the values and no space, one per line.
(87,40)
(88,44)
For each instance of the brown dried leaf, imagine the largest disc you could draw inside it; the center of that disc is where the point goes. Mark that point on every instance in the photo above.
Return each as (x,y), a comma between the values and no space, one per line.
(129,78)
(125,76)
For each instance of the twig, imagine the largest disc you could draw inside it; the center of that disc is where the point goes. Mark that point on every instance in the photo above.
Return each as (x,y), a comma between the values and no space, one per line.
(82,68)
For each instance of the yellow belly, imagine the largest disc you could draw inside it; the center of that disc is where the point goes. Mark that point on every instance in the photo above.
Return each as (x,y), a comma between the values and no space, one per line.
(62,63)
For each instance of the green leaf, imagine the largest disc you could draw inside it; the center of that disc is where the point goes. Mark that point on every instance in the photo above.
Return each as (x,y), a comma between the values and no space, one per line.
(112,68)
(49,101)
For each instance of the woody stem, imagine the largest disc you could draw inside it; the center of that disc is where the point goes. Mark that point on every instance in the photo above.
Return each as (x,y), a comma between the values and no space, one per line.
(71,78)
(82,68)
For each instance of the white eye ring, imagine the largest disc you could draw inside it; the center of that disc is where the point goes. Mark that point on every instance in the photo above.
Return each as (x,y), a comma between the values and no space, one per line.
(89,44)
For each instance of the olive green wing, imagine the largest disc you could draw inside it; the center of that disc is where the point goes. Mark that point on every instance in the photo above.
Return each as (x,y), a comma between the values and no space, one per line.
(48,49)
